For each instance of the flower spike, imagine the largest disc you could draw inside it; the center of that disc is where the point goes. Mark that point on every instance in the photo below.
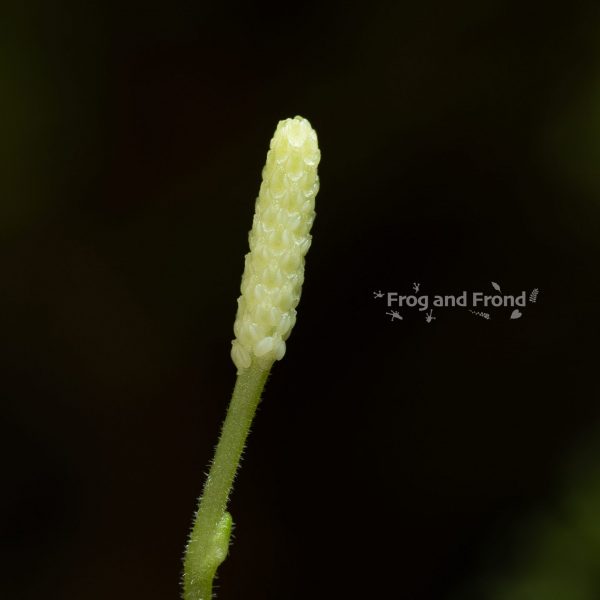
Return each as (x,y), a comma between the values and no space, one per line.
(279,240)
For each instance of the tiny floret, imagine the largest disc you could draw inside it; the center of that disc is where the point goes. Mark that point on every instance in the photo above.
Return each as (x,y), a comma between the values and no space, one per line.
(279,240)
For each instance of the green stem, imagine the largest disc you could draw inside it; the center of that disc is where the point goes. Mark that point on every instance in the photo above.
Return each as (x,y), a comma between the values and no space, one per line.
(209,540)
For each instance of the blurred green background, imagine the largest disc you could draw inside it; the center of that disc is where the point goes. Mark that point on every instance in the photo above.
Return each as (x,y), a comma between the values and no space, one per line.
(461,145)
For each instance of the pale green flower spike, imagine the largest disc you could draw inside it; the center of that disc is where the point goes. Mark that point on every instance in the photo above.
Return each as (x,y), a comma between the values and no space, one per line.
(279,239)
(271,287)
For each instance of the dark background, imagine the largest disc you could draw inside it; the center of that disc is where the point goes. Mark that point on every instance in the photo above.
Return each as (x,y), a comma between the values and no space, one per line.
(460,144)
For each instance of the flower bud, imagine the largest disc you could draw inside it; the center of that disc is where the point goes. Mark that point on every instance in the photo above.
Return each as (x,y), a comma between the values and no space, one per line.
(279,239)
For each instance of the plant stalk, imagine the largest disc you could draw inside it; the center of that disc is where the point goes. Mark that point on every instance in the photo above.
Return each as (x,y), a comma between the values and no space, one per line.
(209,540)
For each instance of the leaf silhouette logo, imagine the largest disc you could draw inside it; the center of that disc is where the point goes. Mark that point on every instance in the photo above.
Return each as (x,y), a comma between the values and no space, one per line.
(516,314)
(496,286)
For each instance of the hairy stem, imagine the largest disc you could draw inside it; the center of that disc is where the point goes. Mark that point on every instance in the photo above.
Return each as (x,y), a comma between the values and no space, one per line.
(209,540)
